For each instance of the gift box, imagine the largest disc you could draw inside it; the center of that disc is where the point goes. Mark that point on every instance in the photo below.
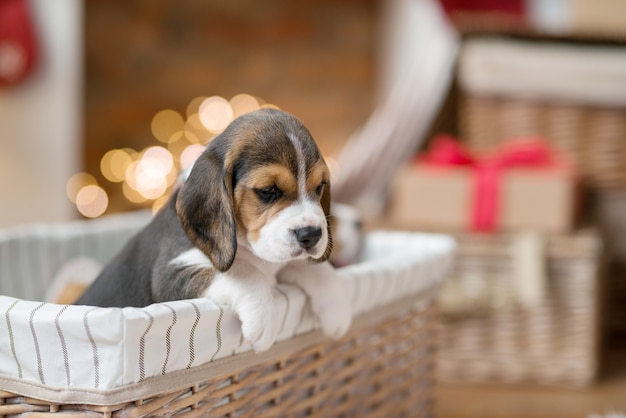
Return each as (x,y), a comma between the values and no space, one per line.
(520,185)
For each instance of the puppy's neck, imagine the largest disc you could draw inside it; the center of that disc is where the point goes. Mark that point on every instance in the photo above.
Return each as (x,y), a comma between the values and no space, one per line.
(245,255)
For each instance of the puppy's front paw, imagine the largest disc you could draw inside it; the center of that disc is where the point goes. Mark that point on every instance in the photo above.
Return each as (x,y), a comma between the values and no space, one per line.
(259,323)
(333,309)
(335,319)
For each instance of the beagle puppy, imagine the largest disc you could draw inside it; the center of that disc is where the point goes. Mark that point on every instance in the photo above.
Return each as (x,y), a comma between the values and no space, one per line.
(252,211)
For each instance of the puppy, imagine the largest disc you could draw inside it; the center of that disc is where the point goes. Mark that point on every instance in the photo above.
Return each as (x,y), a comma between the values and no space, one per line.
(347,230)
(252,211)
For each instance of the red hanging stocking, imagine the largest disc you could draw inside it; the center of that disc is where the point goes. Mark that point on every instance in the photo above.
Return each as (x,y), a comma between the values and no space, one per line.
(17,42)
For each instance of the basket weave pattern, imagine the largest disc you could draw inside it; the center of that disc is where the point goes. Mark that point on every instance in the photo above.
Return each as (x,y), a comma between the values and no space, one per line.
(554,342)
(378,369)
(592,137)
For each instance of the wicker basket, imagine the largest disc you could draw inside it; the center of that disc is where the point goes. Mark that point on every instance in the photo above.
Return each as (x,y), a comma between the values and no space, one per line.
(584,116)
(553,342)
(593,137)
(511,89)
(382,367)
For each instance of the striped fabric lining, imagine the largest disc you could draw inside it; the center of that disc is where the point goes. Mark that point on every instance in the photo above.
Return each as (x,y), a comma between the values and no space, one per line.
(36,343)
(168,339)
(66,361)
(109,348)
(11,337)
(218,333)
(94,349)
(192,334)
(142,349)
(168,343)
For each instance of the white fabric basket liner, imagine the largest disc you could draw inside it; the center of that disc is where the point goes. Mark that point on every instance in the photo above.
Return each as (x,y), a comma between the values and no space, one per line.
(545,71)
(78,347)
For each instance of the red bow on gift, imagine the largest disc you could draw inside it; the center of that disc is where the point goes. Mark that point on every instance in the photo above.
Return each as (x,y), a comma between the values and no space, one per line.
(528,152)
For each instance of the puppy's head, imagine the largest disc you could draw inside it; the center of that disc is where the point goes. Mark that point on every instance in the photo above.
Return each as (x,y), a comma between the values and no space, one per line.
(264,178)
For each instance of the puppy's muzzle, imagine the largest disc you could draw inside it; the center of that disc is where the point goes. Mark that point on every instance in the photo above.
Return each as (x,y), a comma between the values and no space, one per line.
(308,236)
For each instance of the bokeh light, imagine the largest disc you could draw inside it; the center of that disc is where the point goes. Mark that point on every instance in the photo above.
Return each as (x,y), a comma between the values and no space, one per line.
(114,163)
(152,174)
(160,154)
(77,182)
(195,131)
(167,126)
(92,201)
(243,103)
(194,105)
(215,113)
(190,154)
(176,148)
(132,195)
(148,175)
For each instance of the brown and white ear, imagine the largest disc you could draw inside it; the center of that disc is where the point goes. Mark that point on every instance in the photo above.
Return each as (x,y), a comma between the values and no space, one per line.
(325,202)
(205,209)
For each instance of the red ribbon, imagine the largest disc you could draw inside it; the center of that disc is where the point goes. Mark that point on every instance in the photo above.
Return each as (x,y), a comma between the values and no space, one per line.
(528,153)
(18,45)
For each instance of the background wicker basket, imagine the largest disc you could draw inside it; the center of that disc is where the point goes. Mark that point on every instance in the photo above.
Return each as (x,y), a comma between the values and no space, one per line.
(591,136)
(572,94)
(552,343)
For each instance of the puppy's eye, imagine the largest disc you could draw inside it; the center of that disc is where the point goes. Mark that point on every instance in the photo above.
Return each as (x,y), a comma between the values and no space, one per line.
(320,188)
(269,194)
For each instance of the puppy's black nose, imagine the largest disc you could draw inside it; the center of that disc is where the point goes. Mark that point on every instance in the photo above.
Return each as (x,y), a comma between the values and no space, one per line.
(308,236)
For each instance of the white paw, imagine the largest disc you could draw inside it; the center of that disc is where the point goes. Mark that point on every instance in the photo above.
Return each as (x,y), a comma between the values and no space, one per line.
(259,322)
(336,320)
(330,297)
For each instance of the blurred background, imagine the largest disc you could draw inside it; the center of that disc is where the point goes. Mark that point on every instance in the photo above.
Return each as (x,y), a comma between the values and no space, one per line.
(103,70)
(102,102)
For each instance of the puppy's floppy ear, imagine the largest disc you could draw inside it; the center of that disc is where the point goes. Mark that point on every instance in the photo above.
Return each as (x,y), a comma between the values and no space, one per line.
(205,209)
(325,203)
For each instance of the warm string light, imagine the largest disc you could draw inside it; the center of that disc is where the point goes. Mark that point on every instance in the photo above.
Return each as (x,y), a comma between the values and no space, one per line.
(92,201)
(148,175)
